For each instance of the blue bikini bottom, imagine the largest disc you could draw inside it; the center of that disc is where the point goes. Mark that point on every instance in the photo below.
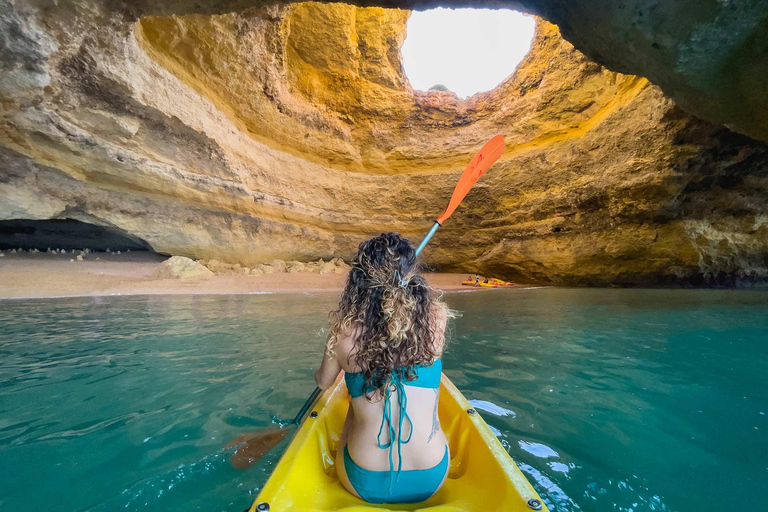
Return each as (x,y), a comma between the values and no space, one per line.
(410,486)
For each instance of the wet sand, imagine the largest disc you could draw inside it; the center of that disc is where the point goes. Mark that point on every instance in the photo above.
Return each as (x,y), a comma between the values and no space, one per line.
(41,275)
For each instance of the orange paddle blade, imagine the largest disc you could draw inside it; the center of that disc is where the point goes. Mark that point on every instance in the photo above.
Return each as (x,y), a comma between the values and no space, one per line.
(254,446)
(484,159)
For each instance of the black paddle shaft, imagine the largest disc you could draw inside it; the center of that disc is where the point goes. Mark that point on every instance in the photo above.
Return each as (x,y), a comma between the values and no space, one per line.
(306,406)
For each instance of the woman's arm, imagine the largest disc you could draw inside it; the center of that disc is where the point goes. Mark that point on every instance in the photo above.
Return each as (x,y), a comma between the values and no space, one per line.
(440,321)
(329,369)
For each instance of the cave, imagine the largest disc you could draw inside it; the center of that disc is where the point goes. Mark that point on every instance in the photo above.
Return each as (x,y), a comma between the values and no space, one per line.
(247,132)
(67,234)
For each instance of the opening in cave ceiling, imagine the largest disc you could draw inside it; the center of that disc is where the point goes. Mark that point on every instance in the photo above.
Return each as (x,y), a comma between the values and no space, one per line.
(465,50)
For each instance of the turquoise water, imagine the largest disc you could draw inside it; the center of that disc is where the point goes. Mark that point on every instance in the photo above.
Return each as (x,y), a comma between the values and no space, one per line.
(608,399)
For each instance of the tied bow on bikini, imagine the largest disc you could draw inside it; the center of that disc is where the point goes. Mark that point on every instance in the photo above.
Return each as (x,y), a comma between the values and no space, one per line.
(402,402)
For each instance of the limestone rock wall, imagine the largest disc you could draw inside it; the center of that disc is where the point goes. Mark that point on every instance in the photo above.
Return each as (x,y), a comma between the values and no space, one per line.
(710,56)
(291,132)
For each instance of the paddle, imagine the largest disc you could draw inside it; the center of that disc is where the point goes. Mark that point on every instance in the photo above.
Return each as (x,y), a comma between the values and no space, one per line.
(256,444)
(482,161)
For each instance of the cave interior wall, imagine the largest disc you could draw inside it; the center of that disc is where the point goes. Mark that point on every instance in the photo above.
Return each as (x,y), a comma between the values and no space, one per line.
(291,132)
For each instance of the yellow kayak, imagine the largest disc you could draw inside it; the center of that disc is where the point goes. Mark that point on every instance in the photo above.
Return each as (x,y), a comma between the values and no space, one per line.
(481,285)
(482,475)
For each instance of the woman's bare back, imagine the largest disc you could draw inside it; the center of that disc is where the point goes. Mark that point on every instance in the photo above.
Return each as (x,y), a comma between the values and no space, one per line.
(426,447)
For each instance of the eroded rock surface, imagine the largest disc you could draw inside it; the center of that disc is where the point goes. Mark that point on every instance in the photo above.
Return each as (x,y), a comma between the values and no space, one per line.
(291,132)
(711,56)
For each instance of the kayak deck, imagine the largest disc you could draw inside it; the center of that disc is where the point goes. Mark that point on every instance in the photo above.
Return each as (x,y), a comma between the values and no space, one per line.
(482,475)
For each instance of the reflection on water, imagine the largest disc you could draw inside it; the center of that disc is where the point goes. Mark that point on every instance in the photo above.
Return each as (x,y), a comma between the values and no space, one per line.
(485,405)
(537,449)
(607,399)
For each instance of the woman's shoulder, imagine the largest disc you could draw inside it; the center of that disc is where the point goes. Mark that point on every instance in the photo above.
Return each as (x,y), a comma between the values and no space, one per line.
(439,319)
(345,347)
(440,314)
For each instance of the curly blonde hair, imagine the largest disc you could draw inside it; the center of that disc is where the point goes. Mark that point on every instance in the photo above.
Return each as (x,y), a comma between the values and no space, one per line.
(393,312)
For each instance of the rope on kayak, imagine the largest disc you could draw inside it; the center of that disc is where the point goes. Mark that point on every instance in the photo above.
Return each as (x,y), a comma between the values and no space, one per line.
(402,402)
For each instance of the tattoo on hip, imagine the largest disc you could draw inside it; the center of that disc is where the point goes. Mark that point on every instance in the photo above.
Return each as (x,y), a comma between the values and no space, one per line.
(435,419)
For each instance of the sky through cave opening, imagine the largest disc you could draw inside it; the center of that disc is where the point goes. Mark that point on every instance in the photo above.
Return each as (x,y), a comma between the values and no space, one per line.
(465,50)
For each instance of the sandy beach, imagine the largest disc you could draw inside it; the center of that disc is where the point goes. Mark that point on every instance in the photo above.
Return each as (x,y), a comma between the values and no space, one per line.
(41,275)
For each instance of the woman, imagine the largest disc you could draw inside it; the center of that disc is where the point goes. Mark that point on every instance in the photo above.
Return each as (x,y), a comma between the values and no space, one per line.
(388,335)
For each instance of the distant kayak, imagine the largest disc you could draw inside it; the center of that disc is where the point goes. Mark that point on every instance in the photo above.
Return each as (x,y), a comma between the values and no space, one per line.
(492,283)
(482,475)
(479,285)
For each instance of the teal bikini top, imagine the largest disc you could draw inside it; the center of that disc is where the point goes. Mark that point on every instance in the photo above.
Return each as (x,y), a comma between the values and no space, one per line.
(426,377)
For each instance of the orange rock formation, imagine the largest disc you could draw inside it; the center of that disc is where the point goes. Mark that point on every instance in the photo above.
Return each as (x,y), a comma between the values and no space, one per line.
(291,132)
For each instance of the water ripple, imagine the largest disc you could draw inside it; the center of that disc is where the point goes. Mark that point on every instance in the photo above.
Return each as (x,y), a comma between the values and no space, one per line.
(485,405)
(539,450)
(148,492)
